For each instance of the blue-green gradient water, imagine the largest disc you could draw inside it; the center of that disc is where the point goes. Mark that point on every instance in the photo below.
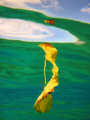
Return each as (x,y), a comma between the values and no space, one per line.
(22,81)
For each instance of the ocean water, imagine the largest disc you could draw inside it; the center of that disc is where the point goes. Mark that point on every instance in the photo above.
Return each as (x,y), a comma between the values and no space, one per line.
(22,81)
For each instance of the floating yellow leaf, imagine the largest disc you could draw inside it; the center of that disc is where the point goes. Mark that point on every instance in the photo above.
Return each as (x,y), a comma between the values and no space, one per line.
(49,21)
(44,105)
(44,101)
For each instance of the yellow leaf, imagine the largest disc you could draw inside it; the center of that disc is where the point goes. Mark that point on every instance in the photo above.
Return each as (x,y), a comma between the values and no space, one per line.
(44,105)
(45,98)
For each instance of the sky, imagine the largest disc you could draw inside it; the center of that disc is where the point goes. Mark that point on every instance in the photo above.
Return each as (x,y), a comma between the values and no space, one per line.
(75,9)
(28,31)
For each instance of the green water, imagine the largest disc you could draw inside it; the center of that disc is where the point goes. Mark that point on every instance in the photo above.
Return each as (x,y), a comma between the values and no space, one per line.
(22,81)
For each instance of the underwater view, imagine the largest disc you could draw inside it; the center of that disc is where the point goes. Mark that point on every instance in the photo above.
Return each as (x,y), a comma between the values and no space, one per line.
(47,55)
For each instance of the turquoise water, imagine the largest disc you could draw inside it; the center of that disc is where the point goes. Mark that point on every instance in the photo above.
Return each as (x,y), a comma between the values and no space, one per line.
(22,81)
